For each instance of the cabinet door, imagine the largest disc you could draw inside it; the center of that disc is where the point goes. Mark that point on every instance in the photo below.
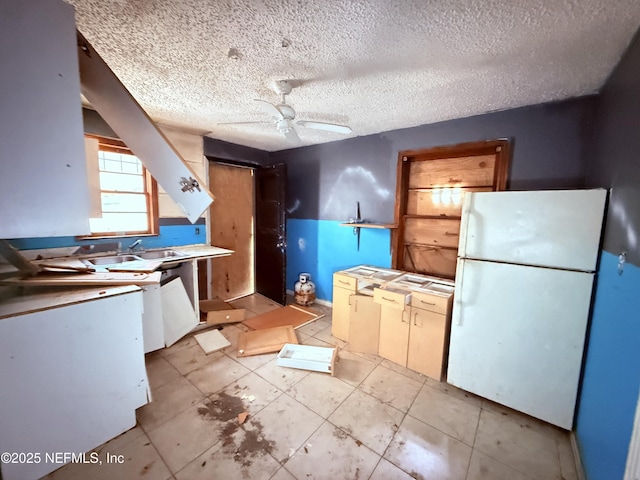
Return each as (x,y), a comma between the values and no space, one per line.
(364,324)
(427,343)
(394,334)
(340,314)
(43,175)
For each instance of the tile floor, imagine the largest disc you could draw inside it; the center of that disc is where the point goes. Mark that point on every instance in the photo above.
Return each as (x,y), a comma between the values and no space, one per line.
(374,420)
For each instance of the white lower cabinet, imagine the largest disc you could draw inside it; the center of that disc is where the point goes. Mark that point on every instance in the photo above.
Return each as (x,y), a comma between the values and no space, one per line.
(72,378)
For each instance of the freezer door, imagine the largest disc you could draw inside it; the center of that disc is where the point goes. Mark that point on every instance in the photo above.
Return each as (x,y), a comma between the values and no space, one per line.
(559,228)
(517,336)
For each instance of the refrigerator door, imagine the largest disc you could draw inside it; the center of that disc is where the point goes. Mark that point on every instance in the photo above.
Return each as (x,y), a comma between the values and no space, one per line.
(555,228)
(517,336)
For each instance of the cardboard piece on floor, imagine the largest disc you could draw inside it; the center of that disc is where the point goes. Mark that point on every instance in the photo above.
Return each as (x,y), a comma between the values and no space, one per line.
(266,340)
(211,341)
(218,312)
(290,315)
(308,357)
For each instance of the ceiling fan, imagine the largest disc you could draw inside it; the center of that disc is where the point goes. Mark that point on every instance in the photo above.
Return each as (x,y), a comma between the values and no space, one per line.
(283,116)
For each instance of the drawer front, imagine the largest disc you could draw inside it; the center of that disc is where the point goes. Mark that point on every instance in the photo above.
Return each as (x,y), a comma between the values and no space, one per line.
(398,299)
(431,302)
(345,281)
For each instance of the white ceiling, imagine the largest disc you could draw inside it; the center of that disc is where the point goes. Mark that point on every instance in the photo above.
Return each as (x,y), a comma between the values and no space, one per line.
(375,65)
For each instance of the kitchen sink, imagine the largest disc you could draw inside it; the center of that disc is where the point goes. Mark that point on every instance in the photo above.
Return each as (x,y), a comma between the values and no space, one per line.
(113,259)
(160,254)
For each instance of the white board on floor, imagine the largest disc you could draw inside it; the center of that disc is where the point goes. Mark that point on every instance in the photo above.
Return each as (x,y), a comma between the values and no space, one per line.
(211,341)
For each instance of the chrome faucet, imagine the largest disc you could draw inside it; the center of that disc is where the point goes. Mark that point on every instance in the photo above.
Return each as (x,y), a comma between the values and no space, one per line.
(134,244)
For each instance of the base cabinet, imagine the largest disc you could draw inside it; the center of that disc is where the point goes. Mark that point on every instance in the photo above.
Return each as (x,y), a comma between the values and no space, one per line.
(72,378)
(343,287)
(427,340)
(394,334)
(364,324)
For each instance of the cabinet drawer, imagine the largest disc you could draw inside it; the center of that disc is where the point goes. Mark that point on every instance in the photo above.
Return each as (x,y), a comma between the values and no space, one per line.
(431,302)
(344,281)
(392,297)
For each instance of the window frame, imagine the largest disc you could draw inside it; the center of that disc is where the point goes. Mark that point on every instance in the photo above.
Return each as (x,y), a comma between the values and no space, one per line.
(107,144)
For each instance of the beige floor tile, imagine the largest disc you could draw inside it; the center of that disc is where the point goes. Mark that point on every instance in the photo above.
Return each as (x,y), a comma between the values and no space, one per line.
(483,467)
(314,341)
(231,333)
(243,454)
(282,377)
(391,387)
(168,401)
(325,336)
(388,471)
(186,436)
(217,375)
(455,391)
(447,413)
(567,460)
(321,392)
(412,374)
(331,454)
(254,391)
(512,443)
(256,303)
(283,474)
(368,420)
(425,452)
(372,357)
(525,420)
(352,368)
(184,342)
(254,361)
(314,327)
(140,460)
(190,358)
(287,423)
(159,370)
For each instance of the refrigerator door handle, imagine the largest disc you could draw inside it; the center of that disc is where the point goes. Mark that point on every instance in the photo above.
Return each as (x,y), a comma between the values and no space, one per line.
(467,201)
(457,296)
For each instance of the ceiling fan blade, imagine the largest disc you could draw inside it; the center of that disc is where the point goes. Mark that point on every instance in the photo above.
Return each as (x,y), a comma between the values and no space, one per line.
(243,123)
(292,136)
(329,127)
(270,108)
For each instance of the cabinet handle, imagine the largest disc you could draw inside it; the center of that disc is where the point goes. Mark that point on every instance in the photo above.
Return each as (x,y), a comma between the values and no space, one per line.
(428,303)
(389,299)
(415,319)
(402,317)
(343,282)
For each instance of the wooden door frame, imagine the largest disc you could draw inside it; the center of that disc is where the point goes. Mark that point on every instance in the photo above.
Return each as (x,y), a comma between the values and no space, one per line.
(501,147)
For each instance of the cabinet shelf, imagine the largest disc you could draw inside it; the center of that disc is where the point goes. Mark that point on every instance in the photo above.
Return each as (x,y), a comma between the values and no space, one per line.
(370,225)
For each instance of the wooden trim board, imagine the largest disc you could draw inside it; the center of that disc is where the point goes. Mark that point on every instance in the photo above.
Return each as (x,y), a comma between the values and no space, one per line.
(88,279)
(290,315)
(266,340)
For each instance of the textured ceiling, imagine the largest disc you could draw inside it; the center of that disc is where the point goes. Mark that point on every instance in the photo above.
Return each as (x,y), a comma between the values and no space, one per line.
(375,65)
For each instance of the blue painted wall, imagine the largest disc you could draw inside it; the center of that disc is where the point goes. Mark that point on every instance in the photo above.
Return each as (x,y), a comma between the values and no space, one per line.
(611,377)
(612,372)
(173,233)
(322,247)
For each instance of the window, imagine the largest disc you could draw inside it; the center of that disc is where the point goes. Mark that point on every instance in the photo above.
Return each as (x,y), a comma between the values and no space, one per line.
(128,193)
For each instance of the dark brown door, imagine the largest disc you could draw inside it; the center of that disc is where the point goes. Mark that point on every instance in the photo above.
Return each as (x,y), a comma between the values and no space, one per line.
(271,253)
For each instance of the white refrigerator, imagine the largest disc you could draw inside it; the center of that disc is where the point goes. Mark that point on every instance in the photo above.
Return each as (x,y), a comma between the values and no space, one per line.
(524,278)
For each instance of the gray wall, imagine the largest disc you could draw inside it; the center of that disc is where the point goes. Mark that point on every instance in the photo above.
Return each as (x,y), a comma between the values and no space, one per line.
(232,153)
(615,162)
(325,181)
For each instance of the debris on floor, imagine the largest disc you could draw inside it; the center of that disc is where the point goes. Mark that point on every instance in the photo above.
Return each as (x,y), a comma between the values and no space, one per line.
(211,341)
(216,312)
(242,417)
(308,357)
(290,315)
(266,340)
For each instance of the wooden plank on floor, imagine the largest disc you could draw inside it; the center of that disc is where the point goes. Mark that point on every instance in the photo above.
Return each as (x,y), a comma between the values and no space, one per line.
(267,340)
(290,315)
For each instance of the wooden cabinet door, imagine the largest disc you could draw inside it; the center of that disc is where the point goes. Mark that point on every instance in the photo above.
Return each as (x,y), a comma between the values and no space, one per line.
(364,324)
(427,343)
(340,314)
(394,334)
